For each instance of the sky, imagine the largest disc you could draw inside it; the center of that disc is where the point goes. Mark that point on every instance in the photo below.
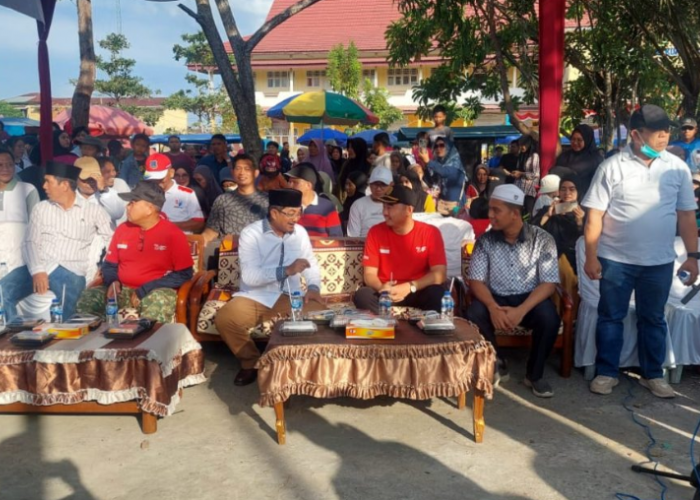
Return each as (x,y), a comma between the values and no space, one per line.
(152,29)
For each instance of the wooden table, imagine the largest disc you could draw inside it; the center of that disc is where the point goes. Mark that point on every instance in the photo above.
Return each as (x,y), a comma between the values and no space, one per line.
(411,366)
(144,376)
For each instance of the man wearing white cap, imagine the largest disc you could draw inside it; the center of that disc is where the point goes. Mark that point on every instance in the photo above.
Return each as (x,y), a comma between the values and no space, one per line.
(181,204)
(548,190)
(512,274)
(367,211)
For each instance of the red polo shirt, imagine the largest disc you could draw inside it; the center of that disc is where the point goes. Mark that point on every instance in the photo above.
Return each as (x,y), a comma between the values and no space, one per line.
(144,256)
(409,256)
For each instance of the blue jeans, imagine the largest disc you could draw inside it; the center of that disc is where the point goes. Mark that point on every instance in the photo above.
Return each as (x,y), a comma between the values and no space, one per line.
(651,285)
(18,285)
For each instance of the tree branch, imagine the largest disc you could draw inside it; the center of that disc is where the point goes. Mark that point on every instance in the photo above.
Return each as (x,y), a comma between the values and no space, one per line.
(276,21)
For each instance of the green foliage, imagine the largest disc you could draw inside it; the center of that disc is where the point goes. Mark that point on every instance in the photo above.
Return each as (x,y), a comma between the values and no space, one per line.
(480,40)
(377,100)
(345,70)
(148,115)
(196,50)
(120,82)
(9,111)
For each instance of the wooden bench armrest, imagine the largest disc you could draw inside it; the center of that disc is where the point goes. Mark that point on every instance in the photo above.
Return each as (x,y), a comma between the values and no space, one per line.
(183,294)
(197,294)
(567,318)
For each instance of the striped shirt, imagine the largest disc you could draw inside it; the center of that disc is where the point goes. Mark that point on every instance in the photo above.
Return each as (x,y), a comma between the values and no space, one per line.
(320,218)
(58,237)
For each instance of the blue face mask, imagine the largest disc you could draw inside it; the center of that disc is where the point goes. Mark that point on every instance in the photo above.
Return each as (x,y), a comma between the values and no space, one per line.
(647,150)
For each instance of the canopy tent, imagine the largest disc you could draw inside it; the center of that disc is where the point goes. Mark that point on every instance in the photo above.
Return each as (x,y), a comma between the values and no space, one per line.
(198,139)
(104,120)
(42,11)
(368,136)
(323,134)
(486,132)
(20,126)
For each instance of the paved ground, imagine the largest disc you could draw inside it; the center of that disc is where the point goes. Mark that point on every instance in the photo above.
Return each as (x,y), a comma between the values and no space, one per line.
(220,444)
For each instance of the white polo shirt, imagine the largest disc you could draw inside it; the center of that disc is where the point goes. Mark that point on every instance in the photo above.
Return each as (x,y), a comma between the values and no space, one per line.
(181,204)
(640,204)
(364,214)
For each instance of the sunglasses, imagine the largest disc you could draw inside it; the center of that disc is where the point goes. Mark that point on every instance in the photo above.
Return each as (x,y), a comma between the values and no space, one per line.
(440,145)
(687,128)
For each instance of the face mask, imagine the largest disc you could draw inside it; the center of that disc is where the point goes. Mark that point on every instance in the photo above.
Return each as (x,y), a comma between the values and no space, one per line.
(647,150)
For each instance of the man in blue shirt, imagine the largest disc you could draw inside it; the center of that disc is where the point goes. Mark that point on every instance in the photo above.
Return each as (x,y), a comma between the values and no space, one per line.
(218,159)
(495,161)
(688,138)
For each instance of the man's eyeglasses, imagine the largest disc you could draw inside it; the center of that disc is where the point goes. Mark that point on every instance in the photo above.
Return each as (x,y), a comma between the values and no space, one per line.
(687,128)
(291,215)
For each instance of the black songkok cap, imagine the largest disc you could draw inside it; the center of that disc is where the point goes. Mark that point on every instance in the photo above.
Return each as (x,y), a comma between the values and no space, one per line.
(285,198)
(63,170)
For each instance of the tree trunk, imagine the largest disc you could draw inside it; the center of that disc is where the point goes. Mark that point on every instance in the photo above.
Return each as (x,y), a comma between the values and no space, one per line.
(80,113)
(608,126)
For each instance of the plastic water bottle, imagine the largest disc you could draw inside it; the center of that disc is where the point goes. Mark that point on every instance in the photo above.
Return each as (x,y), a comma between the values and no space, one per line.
(56,311)
(112,312)
(4,271)
(297,305)
(385,305)
(2,316)
(447,307)
(684,276)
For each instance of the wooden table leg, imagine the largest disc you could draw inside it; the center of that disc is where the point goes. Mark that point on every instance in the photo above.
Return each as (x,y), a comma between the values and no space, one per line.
(462,401)
(149,423)
(280,424)
(478,410)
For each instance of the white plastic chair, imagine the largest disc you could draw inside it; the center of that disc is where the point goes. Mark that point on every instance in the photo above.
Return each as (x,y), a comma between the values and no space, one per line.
(584,342)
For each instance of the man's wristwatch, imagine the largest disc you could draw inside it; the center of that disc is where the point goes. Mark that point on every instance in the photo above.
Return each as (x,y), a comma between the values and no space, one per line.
(694,255)
(413,287)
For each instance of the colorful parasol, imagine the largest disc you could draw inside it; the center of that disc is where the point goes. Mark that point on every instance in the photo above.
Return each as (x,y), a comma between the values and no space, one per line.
(322,107)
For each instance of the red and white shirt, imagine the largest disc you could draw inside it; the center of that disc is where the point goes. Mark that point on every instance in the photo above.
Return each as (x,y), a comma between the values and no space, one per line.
(181,204)
(144,256)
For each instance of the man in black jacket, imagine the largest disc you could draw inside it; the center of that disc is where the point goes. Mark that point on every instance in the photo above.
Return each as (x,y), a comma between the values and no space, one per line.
(148,259)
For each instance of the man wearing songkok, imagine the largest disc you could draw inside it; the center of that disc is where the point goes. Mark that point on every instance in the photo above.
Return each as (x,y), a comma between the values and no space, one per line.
(17,200)
(234,210)
(319,215)
(92,187)
(512,274)
(369,210)
(148,259)
(60,233)
(181,203)
(637,201)
(273,253)
(404,257)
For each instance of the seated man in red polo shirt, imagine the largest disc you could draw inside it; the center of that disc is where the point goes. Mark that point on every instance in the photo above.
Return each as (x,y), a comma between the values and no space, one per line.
(148,259)
(404,257)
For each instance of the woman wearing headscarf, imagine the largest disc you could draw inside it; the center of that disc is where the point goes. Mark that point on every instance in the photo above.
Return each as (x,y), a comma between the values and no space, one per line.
(318,157)
(424,202)
(399,164)
(324,188)
(355,187)
(62,145)
(302,155)
(527,173)
(271,174)
(356,162)
(480,185)
(204,176)
(336,159)
(447,164)
(583,157)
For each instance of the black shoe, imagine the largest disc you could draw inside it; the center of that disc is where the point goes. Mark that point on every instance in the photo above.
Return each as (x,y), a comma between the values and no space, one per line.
(246,376)
(540,388)
(501,373)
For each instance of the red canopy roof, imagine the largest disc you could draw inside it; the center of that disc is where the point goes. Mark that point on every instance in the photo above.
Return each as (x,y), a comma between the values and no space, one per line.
(107,121)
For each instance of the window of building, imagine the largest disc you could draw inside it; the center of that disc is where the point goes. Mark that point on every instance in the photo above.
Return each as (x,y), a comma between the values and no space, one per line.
(402,77)
(368,74)
(316,78)
(277,79)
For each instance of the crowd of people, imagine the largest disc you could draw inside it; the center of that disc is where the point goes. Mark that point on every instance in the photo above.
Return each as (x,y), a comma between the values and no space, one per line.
(127,211)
